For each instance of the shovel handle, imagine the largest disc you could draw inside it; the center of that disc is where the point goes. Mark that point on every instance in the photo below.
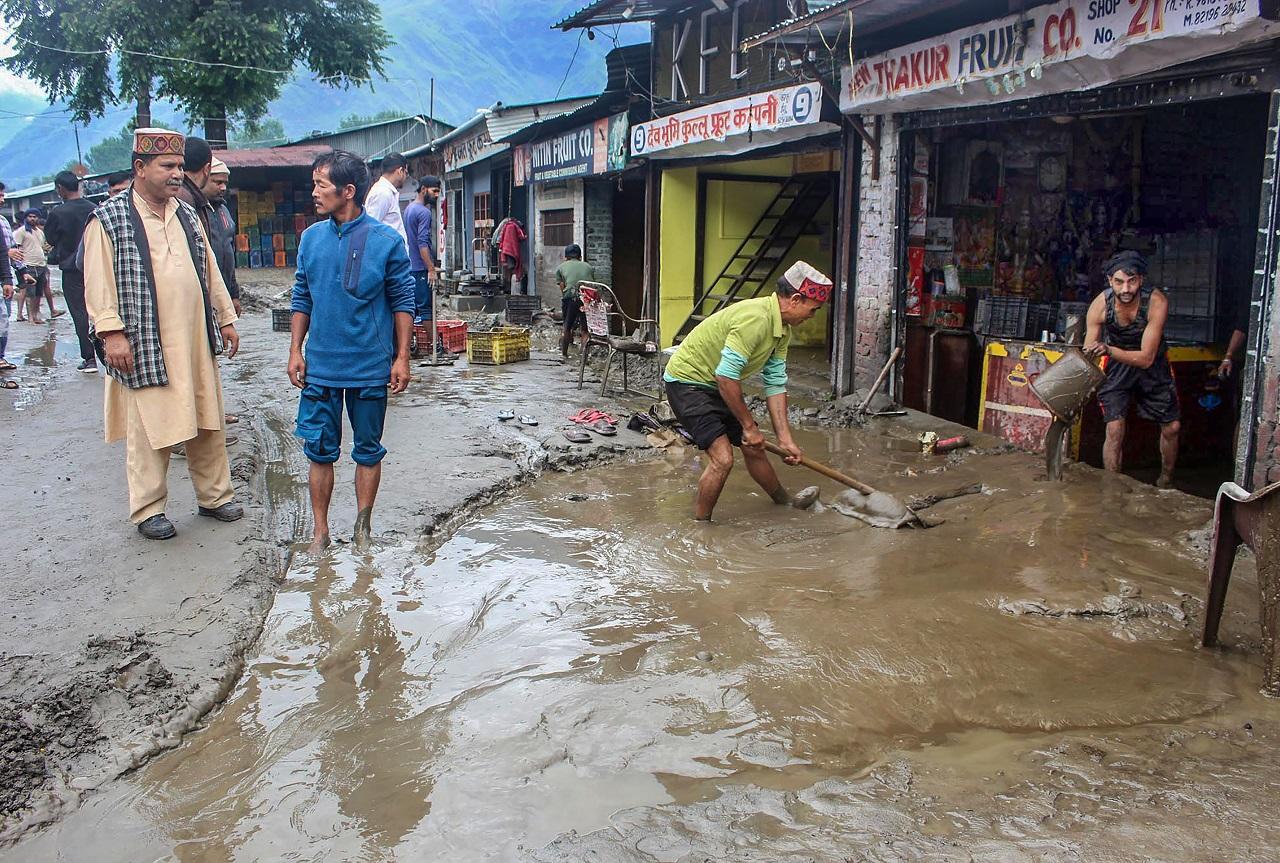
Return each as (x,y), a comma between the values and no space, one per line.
(819,467)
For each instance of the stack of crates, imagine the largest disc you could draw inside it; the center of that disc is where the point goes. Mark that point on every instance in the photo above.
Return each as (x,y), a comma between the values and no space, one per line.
(520,309)
(271,223)
(497,347)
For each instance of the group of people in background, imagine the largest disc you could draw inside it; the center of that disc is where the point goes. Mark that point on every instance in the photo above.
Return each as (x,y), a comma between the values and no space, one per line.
(39,241)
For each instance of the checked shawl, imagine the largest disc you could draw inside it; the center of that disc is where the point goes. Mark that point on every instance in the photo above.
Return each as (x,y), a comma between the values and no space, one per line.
(136,290)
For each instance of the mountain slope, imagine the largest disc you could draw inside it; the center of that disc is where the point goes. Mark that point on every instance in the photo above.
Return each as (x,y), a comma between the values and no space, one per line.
(478,52)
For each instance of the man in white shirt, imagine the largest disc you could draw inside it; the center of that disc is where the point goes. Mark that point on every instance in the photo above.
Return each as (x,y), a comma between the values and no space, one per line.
(383,200)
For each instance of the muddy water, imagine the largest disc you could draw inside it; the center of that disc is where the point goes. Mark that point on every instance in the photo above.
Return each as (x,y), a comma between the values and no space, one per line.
(572,678)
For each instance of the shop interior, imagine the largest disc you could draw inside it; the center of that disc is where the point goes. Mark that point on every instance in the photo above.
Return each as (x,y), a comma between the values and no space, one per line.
(1009,225)
(757,218)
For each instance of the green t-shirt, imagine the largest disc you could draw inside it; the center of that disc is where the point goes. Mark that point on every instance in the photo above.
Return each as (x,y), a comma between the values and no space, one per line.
(571,273)
(736,342)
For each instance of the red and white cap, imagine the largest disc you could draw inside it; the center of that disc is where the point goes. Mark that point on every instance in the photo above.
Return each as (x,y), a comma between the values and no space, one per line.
(808,281)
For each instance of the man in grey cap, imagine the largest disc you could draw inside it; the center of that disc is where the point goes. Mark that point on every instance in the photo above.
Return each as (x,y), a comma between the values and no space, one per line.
(1126,326)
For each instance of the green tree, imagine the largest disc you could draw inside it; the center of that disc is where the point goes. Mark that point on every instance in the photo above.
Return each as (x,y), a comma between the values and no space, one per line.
(262,132)
(355,121)
(112,154)
(91,54)
(236,54)
(341,42)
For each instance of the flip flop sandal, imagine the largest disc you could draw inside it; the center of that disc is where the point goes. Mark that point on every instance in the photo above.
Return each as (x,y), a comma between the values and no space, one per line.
(8,385)
(576,436)
(6,366)
(526,420)
(506,415)
(604,428)
(231,419)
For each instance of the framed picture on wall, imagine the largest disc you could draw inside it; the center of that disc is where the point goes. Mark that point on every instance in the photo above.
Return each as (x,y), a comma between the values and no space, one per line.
(983,173)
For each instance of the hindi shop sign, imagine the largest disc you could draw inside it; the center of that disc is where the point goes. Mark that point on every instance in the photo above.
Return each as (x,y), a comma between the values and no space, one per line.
(1069,45)
(759,112)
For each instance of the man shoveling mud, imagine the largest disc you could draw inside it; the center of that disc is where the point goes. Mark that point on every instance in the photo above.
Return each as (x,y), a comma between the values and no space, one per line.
(704,384)
(1126,325)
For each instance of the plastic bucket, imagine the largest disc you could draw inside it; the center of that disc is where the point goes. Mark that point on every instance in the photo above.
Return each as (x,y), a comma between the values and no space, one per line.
(1067,384)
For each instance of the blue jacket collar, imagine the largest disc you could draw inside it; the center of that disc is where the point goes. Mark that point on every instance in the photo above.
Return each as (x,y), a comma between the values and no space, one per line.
(346,227)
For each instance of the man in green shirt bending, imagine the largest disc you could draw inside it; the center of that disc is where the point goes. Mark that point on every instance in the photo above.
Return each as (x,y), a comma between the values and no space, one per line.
(704,384)
(573,272)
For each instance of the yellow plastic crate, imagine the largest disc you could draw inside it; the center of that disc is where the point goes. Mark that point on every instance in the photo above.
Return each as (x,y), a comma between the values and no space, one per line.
(503,345)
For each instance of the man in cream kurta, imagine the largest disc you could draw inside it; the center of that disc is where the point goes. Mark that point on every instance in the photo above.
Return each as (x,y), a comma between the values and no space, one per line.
(188,409)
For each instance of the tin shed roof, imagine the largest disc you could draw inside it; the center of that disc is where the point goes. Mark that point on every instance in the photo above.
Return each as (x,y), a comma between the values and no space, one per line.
(295,156)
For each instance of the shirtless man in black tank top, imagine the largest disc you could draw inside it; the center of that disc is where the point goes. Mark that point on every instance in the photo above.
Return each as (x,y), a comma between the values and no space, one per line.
(1126,325)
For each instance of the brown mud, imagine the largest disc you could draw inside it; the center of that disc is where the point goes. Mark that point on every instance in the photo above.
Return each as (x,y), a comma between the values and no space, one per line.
(113,648)
(579,672)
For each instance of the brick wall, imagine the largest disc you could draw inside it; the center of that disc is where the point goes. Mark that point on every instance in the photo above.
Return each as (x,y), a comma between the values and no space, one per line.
(876,271)
(597,248)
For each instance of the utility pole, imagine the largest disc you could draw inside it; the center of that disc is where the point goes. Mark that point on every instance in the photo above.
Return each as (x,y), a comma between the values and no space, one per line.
(75,127)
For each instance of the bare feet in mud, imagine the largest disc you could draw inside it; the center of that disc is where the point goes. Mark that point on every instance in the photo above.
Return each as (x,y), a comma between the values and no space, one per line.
(805,498)
(361,535)
(1164,481)
(319,543)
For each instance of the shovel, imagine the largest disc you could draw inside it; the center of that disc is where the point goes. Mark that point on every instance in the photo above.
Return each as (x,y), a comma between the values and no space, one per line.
(876,508)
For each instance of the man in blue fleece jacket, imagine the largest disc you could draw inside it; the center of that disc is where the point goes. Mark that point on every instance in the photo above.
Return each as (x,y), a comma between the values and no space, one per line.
(353,305)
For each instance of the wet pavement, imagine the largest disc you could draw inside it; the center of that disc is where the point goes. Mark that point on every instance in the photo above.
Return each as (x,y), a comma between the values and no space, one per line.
(578,672)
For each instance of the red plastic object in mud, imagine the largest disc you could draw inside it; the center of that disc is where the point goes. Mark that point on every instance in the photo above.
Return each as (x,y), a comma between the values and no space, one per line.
(948,444)
(454,335)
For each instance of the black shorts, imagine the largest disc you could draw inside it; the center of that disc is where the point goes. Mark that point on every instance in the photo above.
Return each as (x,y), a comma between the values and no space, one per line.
(1153,390)
(574,318)
(41,275)
(703,414)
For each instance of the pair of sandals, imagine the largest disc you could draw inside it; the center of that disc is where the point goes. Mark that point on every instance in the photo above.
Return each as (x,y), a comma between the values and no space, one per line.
(525,419)
(590,419)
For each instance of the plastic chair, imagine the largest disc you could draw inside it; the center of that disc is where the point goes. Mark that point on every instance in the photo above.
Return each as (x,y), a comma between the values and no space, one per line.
(1252,519)
(600,307)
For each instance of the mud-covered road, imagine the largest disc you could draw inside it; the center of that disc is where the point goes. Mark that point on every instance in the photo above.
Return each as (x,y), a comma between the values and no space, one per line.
(575,672)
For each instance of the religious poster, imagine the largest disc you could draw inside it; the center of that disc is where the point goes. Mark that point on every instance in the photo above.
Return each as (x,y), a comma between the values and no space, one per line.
(975,246)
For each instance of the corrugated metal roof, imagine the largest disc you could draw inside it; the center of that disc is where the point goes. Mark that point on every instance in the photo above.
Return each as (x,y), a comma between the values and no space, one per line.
(873,17)
(374,140)
(508,121)
(615,12)
(296,156)
(29,192)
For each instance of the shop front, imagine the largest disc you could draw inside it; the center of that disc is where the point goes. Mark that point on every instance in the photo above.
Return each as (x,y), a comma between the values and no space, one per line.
(581,194)
(748,187)
(1012,192)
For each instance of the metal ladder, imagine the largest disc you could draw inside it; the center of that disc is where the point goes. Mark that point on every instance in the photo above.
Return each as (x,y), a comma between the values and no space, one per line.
(748,272)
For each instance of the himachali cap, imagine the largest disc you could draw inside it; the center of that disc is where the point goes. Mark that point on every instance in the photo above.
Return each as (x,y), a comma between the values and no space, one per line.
(158,142)
(218,167)
(808,281)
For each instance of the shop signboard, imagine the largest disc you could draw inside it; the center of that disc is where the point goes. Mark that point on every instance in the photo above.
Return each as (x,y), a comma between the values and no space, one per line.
(596,148)
(784,108)
(1064,46)
(470,150)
